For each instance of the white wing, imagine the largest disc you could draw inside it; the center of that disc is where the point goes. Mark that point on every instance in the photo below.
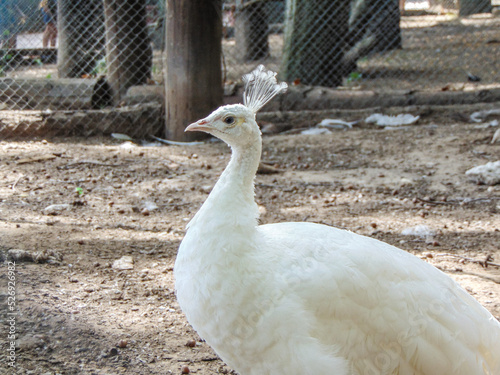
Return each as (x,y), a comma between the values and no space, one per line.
(386,310)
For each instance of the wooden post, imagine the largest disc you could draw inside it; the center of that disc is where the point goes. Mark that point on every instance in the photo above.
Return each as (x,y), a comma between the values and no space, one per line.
(81,36)
(193,80)
(128,51)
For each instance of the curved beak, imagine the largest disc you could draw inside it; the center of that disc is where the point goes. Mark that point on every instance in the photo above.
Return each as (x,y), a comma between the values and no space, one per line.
(200,125)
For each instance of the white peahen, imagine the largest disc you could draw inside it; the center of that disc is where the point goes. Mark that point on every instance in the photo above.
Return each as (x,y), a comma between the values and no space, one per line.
(304,298)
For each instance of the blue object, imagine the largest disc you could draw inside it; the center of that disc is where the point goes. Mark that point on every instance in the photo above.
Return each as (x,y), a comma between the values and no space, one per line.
(47,17)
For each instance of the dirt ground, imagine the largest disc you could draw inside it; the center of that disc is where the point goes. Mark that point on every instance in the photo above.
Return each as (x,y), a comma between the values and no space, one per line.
(79,315)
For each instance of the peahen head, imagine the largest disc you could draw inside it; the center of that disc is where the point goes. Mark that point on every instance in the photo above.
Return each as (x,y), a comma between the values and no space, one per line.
(235,124)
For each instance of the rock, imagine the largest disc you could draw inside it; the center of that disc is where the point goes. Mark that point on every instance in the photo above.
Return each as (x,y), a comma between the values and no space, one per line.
(419,231)
(56,209)
(150,206)
(124,263)
(267,169)
(482,115)
(488,174)
(386,120)
(315,131)
(496,137)
(333,123)
(30,342)
(123,344)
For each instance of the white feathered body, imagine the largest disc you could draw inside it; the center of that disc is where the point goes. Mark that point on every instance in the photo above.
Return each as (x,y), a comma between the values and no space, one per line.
(303,298)
(308,299)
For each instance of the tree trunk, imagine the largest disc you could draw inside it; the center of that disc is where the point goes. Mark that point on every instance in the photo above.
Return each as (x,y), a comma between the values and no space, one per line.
(81,37)
(193,80)
(468,7)
(373,27)
(128,51)
(251,32)
(314,41)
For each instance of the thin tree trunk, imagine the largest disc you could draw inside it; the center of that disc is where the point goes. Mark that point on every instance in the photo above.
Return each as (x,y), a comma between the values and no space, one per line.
(251,32)
(81,37)
(128,51)
(193,80)
(314,41)
(374,26)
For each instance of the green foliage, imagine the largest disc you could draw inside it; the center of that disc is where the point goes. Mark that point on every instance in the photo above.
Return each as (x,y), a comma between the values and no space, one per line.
(354,77)
(100,68)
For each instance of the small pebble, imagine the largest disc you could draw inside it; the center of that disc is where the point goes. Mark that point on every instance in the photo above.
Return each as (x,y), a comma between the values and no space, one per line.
(123,344)
(191,343)
(185,370)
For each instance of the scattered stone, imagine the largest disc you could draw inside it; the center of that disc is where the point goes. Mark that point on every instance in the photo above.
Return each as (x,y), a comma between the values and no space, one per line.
(496,137)
(386,120)
(315,131)
(481,116)
(30,342)
(418,231)
(150,206)
(185,370)
(487,174)
(191,344)
(108,353)
(267,169)
(56,209)
(124,263)
(123,344)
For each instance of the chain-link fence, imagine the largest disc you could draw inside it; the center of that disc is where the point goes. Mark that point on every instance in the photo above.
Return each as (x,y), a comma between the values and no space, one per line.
(97,66)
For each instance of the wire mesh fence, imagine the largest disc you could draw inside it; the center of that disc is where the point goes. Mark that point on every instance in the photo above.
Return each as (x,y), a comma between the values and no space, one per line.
(87,67)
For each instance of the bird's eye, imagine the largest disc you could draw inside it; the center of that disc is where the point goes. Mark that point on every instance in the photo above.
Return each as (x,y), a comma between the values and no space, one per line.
(229,120)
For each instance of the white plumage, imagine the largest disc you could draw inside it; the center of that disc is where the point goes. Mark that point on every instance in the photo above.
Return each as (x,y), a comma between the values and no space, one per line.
(303,298)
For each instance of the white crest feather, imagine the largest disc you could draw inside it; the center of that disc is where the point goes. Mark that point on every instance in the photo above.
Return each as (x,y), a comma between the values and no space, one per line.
(260,87)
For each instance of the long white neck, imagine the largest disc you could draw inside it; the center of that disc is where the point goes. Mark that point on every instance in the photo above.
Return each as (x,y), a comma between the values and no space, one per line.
(231,204)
